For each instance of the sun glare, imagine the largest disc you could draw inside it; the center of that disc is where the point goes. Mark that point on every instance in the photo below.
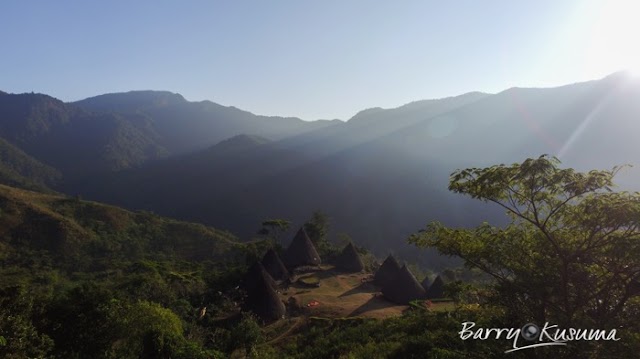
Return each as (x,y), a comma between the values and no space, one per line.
(634,71)
(613,44)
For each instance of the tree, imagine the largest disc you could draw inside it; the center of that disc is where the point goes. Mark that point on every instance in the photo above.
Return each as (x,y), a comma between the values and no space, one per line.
(342,239)
(273,229)
(147,329)
(247,334)
(19,337)
(80,322)
(317,228)
(571,254)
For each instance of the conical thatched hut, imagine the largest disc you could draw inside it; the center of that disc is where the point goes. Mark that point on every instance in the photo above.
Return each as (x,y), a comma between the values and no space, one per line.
(387,271)
(263,300)
(426,283)
(301,251)
(255,274)
(274,266)
(436,290)
(349,260)
(403,288)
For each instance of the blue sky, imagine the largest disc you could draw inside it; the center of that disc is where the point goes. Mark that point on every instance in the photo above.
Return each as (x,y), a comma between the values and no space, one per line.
(311,59)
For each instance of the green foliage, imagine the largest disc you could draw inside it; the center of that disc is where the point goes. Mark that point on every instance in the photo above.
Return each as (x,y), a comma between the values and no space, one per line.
(146,330)
(83,236)
(80,322)
(571,254)
(76,142)
(273,229)
(247,334)
(89,323)
(21,170)
(342,239)
(317,228)
(416,334)
(107,283)
(19,337)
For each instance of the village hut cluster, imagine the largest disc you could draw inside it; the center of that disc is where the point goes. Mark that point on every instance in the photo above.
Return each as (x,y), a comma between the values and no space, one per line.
(400,286)
(265,277)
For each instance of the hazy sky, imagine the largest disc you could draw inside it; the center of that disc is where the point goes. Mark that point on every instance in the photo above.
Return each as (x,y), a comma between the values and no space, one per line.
(311,59)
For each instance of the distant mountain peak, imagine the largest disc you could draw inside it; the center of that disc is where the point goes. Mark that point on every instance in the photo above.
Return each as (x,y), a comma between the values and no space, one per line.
(467,95)
(366,112)
(132,100)
(156,94)
(619,74)
(367,115)
(146,94)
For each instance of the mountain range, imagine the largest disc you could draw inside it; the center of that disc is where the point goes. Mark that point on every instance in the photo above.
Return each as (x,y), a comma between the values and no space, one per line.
(380,176)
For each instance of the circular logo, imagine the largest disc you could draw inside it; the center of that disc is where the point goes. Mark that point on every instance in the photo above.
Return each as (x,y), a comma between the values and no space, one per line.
(530,332)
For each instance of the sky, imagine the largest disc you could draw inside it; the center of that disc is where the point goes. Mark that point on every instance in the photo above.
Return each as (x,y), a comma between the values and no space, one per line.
(311,59)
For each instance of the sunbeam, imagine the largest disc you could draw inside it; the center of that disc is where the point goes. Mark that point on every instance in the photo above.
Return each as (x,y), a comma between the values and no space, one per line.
(575,135)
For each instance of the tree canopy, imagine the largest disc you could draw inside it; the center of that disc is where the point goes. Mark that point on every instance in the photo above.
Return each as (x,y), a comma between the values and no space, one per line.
(274,228)
(571,253)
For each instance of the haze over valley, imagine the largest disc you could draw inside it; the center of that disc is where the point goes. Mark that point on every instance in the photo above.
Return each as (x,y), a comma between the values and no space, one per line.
(380,175)
(304,180)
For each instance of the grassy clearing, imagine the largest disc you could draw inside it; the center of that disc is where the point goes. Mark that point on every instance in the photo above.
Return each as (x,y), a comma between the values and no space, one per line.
(344,295)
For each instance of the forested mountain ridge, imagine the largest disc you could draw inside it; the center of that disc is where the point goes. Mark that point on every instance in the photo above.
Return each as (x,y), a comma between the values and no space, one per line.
(380,175)
(78,235)
(384,173)
(87,280)
(110,133)
(83,279)
(76,142)
(21,170)
(188,126)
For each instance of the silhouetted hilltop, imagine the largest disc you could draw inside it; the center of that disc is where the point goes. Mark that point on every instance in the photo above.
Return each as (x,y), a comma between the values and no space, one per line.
(131,101)
(390,167)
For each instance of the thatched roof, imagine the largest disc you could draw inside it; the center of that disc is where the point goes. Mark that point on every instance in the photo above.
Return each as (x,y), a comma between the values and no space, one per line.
(301,251)
(426,283)
(263,300)
(349,260)
(403,288)
(436,290)
(274,266)
(255,274)
(387,271)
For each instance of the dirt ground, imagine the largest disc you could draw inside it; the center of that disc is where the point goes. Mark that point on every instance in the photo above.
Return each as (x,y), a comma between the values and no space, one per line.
(344,295)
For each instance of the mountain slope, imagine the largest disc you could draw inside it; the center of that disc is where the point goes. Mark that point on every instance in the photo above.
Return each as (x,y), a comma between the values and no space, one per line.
(87,236)
(166,186)
(21,170)
(588,125)
(187,126)
(380,176)
(75,142)
(78,279)
(384,175)
(372,124)
(114,132)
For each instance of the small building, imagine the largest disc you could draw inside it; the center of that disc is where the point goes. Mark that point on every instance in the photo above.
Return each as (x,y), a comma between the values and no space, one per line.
(255,274)
(349,260)
(274,266)
(301,251)
(387,271)
(263,300)
(403,288)
(436,290)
